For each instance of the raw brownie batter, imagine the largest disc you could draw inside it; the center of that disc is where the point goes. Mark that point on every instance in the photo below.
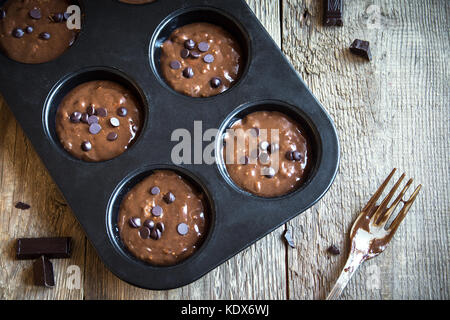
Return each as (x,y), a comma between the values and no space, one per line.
(98,120)
(35,31)
(162,220)
(265,163)
(201,60)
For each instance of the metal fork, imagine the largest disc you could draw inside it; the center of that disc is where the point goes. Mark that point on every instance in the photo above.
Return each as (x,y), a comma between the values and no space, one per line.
(369,235)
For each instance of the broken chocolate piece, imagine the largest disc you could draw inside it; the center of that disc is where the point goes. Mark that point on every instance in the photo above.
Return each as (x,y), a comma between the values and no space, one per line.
(22,206)
(334,250)
(288,237)
(43,272)
(333,13)
(361,48)
(32,248)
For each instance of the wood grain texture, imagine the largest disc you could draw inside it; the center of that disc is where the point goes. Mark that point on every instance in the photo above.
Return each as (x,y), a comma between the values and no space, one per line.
(391,112)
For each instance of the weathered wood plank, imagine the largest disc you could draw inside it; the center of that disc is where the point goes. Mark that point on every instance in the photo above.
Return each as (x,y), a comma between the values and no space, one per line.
(258,272)
(391,112)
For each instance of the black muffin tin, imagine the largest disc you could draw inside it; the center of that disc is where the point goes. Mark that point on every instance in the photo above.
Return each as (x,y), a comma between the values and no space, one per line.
(120,42)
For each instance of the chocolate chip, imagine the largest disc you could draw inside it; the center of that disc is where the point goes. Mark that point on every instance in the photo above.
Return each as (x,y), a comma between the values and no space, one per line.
(254,131)
(334,250)
(264,158)
(86,146)
(58,17)
(134,222)
(92,119)
(185,53)
(29,29)
(90,110)
(112,136)
(114,122)
(183,229)
(215,82)
(264,145)
(194,54)
(188,72)
(155,234)
(288,237)
(35,13)
(144,232)
(203,46)
(297,156)
(160,226)
(361,48)
(169,197)
(94,128)
(289,155)
(75,117)
(157,211)
(244,160)
(155,191)
(22,205)
(18,33)
(84,117)
(45,36)
(269,172)
(209,58)
(175,65)
(2,14)
(102,112)
(122,112)
(149,224)
(189,44)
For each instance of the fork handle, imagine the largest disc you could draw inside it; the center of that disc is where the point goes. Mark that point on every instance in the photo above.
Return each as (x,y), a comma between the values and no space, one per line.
(353,262)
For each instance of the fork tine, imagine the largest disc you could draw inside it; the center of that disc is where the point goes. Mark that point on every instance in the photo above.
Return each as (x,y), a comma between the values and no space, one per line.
(396,223)
(378,193)
(394,205)
(381,210)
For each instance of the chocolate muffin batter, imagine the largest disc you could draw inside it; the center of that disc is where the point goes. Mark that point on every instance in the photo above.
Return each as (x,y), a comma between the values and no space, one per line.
(98,120)
(272,165)
(162,220)
(35,31)
(201,60)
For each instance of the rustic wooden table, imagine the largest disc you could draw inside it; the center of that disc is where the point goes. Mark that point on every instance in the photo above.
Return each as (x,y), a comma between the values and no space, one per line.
(391,112)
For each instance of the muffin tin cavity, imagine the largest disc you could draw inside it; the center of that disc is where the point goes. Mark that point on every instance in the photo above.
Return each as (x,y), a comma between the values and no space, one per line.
(196,69)
(171,227)
(111,120)
(263,148)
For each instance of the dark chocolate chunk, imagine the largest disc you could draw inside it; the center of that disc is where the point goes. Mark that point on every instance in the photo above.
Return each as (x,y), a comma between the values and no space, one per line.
(90,110)
(43,272)
(2,14)
(112,136)
(84,117)
(194,54)
(361,48)
(333,13)
(288,238)
(92,119)
(29,29)
(183,229)
(333,250)
(215,82)
(122,112)
(45,36)
(155,234)
(175,65)
(189,44)
(155,191)
(160,226)
(134,222)
(53,248)
(149,224)
(35,13)
(203,46)
(209,58)
(101,112)
(169,197)
(58,17)
(144,232)
(188,72)
(18,33)
(86,146)
(297,156)
(75,117)
(185,53)
(22,206)
(114,122)
(157,211)
(94,128)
